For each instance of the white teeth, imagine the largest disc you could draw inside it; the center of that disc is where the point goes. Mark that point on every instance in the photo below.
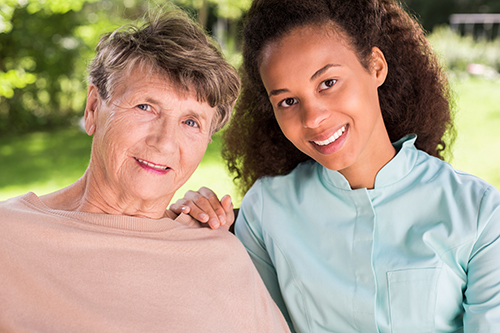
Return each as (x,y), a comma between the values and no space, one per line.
(154,166)
(331,139)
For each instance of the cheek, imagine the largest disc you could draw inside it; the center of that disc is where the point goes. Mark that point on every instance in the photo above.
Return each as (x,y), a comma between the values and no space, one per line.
(192,152)
(290,125)
(360,105)
(119,140)
(368,94)
(197,152)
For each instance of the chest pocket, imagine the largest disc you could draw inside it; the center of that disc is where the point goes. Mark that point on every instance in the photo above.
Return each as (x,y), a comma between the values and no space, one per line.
(412,299)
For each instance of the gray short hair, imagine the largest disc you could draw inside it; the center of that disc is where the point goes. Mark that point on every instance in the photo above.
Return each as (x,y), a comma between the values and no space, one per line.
(171,44)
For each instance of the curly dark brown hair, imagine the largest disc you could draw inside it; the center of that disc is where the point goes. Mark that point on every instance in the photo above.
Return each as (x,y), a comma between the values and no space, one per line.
(414,97)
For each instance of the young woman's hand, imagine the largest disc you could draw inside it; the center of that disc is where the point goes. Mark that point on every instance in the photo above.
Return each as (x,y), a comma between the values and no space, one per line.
(205,207)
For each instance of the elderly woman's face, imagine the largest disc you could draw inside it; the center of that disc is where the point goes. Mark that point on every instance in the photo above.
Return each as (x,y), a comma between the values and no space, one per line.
(149,138)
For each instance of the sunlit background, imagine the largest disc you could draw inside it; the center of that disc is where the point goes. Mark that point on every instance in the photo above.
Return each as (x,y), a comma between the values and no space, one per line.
(45,46)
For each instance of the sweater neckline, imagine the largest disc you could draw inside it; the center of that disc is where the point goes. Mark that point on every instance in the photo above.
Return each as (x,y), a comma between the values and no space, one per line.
(122,222)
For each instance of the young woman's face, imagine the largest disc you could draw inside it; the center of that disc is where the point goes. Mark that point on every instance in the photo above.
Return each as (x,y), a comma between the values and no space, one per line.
(324,100)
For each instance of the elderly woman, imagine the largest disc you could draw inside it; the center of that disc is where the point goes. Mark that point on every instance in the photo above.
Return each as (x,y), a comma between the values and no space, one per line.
(104,254)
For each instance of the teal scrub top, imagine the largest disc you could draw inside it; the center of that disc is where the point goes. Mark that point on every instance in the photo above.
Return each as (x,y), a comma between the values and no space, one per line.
(418,253)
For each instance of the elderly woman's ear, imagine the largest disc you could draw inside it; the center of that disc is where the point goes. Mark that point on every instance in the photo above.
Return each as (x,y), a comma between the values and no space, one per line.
(90,108)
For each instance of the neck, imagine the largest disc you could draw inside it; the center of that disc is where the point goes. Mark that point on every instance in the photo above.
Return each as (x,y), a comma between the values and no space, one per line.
(86,195)
(376,155)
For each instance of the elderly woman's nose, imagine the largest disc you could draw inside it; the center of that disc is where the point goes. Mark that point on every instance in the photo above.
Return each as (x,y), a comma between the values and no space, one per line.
(164,135)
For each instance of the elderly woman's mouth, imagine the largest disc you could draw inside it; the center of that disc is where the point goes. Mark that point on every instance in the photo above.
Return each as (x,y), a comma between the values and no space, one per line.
(146,165)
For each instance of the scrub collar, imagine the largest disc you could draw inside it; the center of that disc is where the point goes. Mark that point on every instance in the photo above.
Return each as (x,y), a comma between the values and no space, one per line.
(391,173)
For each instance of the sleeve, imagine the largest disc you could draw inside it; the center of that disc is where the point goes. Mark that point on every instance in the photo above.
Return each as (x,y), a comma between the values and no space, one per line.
(482,294)
(248,228)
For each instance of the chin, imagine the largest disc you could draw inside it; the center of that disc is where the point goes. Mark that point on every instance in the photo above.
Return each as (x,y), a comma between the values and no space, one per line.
(334,164)
(152,193)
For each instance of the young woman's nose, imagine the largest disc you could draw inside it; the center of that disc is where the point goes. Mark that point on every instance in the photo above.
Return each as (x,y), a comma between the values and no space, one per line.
(313,114)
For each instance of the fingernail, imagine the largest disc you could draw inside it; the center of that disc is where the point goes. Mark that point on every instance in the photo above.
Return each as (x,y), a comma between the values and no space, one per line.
(203,217)
(222,219)
(184,208)
(214,223)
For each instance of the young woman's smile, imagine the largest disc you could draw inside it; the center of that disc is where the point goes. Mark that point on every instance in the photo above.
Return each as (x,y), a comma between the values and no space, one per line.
(326,102)
(332,143)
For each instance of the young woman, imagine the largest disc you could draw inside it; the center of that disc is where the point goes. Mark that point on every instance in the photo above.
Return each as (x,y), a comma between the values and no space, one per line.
(351,216)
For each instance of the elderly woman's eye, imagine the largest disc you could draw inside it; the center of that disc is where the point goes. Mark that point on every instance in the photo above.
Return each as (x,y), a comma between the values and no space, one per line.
(191,123)
(144,107)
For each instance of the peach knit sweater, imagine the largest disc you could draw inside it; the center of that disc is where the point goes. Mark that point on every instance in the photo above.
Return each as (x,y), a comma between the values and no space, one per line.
(64,271)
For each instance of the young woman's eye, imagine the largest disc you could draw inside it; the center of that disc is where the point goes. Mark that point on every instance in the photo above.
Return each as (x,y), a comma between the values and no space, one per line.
(327,84)
(144,107)
(191,123)
(287,102)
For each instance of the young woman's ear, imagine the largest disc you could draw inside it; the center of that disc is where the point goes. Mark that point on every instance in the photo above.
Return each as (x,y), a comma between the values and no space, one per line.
(379,65)
(90,109)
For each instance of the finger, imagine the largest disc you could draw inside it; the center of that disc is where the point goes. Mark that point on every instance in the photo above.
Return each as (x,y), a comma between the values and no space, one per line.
(218,216)
(179,208)
(200,206)
(227,205)
(206,200)
(191,208)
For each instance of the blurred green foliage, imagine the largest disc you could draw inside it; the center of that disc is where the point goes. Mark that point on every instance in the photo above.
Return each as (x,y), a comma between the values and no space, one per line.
(46,161)
(45,46)
(477,121)
(43,159)
(432,13)
(457,52)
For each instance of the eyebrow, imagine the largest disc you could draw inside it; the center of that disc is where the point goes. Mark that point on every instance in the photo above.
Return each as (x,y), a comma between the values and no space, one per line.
(278,91)
(190,112)
(152,100)
(322,70)
(202,116)
(315,75)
